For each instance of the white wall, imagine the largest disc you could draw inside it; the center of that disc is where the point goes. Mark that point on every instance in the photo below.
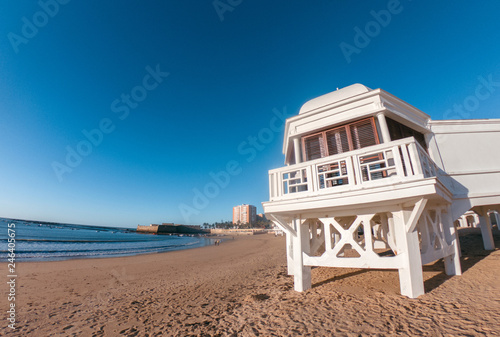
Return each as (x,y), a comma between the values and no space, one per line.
(469,151)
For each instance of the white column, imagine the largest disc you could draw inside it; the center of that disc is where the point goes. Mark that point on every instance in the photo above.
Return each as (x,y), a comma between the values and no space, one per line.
(302,274)
(328,233)
(497,218)
(485,224)
(297,149)
(411,280)
(384,233)
(384,129)
(289,252)
(452,262)
(476,220)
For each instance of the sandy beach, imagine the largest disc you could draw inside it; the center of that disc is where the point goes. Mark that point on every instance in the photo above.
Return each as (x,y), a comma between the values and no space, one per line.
(241,288)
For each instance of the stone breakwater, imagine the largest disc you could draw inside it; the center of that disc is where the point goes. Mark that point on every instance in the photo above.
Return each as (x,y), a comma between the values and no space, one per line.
(171,229)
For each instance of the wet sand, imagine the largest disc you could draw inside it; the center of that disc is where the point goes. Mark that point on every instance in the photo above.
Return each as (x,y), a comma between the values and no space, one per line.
(240,288)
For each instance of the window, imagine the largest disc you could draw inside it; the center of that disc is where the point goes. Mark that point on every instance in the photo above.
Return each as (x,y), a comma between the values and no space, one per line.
(337,141)
(400,131)
(340,139)
(314,147)
(363,133)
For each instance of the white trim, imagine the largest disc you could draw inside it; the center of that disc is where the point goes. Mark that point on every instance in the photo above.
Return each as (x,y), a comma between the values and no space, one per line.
(473,172)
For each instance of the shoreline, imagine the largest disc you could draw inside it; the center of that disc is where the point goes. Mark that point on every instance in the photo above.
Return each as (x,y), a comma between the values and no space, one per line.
(241,288)
(57,245)
(212,238)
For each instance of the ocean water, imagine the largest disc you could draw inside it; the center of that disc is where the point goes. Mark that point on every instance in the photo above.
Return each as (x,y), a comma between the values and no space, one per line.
(36,241)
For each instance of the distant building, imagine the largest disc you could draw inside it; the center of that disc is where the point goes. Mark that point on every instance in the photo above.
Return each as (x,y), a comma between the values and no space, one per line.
(244,214)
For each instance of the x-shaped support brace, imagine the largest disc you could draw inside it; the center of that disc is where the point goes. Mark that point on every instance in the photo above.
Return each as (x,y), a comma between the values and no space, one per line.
(346,235)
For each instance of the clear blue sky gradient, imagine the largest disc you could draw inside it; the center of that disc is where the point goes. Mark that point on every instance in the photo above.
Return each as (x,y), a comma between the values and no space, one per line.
(225,79)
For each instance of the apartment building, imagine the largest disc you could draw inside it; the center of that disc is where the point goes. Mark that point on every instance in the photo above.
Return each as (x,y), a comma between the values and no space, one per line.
(243,214)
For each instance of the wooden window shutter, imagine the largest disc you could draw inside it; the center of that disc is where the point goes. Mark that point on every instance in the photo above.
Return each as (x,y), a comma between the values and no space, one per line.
(337,141)
(314,147)
(363,134)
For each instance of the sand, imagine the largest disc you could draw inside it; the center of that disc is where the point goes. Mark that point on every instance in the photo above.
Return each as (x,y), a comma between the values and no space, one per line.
(240,288)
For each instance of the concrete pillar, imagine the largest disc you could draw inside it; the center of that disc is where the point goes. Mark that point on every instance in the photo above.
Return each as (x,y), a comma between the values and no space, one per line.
(458,243)
(485,224)
(384,129)
(475,216)
(494,214)
(411,279)
(301,244)
(289,252)
(298,150)
(328,234)
(452,262)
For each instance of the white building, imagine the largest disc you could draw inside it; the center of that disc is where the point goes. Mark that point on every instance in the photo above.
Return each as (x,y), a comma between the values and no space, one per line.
(368,173)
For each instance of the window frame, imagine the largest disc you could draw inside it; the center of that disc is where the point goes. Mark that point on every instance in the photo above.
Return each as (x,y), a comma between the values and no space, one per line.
(347,128)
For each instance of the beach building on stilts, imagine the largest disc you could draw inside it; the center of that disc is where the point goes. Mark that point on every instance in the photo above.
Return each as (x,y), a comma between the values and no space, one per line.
(372,182)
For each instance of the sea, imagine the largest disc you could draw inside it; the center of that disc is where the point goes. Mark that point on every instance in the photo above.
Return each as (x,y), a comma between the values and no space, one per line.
(42,241)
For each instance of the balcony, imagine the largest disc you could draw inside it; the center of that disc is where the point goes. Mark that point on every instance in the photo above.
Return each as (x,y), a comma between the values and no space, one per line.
(375,166)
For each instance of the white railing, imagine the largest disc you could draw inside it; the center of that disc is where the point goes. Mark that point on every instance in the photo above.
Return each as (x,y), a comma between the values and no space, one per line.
(382,164)
(429,168)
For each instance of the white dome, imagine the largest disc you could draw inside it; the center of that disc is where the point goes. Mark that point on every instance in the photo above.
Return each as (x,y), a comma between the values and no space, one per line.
(333,97)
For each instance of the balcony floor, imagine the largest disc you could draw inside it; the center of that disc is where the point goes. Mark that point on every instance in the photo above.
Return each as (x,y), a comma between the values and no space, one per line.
(368,197)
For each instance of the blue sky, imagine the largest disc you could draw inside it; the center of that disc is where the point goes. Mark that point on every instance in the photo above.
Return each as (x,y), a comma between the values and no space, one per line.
(177,98)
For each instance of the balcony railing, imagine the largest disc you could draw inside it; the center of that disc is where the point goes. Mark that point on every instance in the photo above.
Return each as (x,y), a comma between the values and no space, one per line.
(397,161)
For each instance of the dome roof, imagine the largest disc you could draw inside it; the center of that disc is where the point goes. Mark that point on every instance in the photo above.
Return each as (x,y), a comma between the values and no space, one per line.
(333,97)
